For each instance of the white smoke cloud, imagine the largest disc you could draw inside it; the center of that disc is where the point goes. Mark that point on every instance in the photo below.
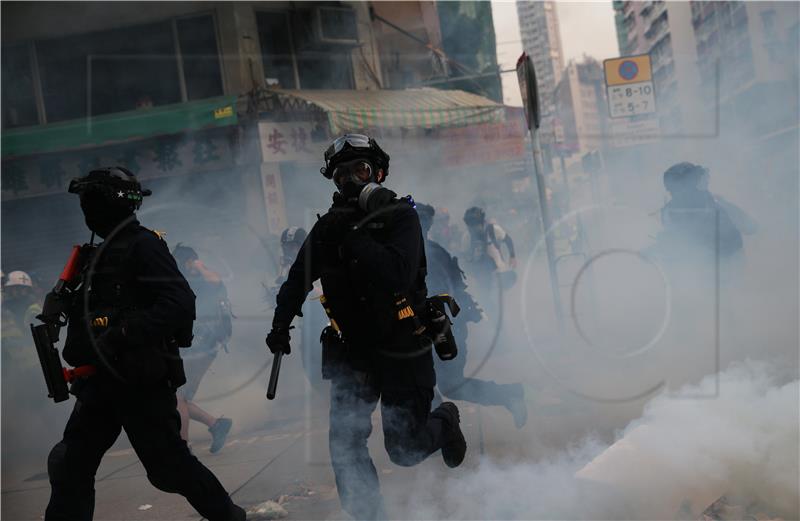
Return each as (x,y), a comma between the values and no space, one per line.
(672,463)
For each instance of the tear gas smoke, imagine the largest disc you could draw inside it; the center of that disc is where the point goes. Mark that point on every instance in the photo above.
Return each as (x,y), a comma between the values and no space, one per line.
(671,463)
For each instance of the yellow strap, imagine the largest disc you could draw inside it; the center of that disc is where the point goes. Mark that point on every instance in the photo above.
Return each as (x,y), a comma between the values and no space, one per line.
(100,322)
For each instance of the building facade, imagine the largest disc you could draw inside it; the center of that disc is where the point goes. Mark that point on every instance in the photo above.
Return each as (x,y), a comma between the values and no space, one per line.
(468,38)
(580,108)
(748,57)
(541,39)
(222,108)
(664,31)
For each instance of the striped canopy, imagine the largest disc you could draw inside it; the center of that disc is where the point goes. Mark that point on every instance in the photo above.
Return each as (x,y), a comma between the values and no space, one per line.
(349,110)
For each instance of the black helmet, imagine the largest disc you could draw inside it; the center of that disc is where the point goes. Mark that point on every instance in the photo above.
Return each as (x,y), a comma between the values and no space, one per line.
(115,183)
(474,215)
(354,146)
(682,176)
(293,235)
(184,254)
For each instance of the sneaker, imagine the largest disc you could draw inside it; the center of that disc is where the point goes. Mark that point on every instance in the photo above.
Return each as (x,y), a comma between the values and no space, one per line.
(455,447)
(516,405)
(219,432)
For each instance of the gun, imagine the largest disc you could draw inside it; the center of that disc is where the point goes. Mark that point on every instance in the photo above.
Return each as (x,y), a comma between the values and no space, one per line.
(54,316)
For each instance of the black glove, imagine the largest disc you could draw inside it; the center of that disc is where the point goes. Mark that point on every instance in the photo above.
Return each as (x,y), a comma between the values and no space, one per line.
(278,340)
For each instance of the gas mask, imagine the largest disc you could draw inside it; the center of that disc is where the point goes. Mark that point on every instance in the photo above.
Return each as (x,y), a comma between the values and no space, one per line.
(357,172)
(356,183)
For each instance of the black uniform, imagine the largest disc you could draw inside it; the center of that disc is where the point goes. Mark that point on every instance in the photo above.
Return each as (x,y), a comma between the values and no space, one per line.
(445,276)
(136,283)
(363,274)
(694,221)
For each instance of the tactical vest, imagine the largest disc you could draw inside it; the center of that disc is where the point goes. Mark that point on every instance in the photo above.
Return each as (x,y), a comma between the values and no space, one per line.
(112,293)
(368,316)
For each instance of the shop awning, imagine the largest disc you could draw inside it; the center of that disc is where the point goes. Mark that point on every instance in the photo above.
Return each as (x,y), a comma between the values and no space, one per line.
(120,127)
(348,110)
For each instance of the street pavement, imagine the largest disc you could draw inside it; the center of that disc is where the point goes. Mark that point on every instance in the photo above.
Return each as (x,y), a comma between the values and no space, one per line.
(278,451)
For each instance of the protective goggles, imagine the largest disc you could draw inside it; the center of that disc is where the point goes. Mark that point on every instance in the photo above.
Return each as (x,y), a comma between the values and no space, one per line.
(359,171)
(354,140)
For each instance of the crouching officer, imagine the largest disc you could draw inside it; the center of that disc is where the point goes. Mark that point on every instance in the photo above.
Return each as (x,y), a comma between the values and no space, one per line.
(368,251)
(445,276)
(136,310)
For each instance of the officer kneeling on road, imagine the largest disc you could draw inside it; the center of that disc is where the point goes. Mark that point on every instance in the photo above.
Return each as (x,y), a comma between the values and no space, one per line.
(368,250)
(136,313)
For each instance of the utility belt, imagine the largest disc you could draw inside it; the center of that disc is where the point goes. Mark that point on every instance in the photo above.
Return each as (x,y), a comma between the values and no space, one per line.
(433,328)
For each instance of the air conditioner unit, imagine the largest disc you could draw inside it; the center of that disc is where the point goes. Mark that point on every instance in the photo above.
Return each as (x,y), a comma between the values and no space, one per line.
(323,26)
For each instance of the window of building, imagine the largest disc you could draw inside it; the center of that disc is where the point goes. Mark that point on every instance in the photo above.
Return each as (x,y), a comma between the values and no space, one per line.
(19,101)
(197,40)
(276,49)
(293,64)
(129,68)
(325,70)
(109,71)
(112,71)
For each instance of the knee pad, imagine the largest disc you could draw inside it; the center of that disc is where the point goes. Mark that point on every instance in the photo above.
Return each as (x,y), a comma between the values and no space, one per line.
(57,464)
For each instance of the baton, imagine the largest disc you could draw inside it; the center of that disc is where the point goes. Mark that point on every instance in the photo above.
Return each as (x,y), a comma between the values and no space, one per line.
(273,375)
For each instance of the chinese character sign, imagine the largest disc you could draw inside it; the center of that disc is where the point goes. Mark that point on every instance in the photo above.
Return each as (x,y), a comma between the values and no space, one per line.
(286,141)
(184,154)
(273,197)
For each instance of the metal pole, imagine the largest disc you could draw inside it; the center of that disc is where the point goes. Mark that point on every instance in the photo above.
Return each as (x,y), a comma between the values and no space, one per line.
(564,177)
(547,224)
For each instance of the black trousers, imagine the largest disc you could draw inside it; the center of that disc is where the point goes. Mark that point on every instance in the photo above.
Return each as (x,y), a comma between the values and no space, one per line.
(455,385)
(410,433)
(151,421)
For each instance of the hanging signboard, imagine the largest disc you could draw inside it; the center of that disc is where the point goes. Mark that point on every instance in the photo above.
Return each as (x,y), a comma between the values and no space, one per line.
(530,92)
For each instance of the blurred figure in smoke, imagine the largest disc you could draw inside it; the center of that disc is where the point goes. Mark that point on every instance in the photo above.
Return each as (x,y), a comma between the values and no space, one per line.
(694,223)
(485,253)
(313,319)
(212,331)
(126,337)
(291,240)
(445,276)
(368,251)
(22,402)
(20,307)
(444,232)
(743,221)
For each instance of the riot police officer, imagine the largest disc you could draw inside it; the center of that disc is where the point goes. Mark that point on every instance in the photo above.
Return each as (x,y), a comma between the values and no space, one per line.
(368,251)
(445,276)
(694,223)
(136,309)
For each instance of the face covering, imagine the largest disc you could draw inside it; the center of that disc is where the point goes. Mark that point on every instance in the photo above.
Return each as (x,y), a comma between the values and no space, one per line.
(101,216)
(350,178)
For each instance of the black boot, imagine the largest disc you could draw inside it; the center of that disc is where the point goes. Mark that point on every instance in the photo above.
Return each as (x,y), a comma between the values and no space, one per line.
(455,446)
